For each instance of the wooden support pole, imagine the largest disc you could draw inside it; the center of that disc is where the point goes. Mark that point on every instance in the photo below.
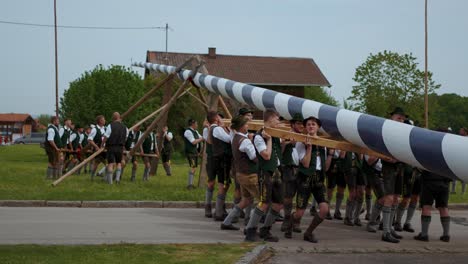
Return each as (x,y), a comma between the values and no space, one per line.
(155,112)
(282,132)
(199,100)
(173,99)
(78,166)
(150,93)
(225,109)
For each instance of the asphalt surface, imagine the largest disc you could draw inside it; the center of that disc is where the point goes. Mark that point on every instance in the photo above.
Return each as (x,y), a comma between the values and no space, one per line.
(337,242)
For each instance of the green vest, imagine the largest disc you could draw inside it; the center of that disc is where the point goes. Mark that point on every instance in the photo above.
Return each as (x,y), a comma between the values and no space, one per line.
(57,140)
(271,164)
(189,147)
(311,170)
(287,159)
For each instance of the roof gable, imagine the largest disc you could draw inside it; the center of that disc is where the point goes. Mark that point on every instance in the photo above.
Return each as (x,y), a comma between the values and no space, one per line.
(255,70)
(14,117)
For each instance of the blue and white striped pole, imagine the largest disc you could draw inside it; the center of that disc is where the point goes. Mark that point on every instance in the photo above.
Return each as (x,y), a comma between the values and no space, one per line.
(442,153)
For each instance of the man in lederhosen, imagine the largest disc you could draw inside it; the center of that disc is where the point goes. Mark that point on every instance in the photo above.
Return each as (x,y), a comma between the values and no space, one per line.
(166,151)
(245,163)
(271,189)
(313,164)
(53,144)
(114,141)
(220,167)
(149,147)
(192,139)
(95,141)
(393,183)
(289,169)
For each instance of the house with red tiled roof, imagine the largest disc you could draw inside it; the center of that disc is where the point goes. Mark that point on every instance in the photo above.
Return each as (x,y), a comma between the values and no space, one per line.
(14,125)
(283,74)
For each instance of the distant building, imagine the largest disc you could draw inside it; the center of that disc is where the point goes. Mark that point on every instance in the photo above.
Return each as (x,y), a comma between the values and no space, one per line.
(13,125)
(282,74)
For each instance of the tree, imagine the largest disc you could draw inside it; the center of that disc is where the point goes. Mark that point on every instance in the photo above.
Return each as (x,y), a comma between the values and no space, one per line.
(388,79)
(319,94)
(44,119)
(448,110)
(101,92)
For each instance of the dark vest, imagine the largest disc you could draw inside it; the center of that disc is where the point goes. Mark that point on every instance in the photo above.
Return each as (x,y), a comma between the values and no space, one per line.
(76,142)
(189,147)
(271,164)
(57,139)
(98,137)
(218,147)
(66,135)
(311,171)
(287,159)
(150,141)
(167,145)
(118,133)
(132,138)
(241,162)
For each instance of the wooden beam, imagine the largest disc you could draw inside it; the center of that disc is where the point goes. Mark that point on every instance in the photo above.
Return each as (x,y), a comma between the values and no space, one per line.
(78,166)
(225,108)
(173,99)
(282,132)
(156,112)
(199,100)
(150,93)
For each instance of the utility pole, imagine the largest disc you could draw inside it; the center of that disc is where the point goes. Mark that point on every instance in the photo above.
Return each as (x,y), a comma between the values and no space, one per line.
(426,98)
(56,61)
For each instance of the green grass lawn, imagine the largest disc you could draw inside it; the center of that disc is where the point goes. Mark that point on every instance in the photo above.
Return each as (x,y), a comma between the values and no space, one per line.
(22,177)
(124,253)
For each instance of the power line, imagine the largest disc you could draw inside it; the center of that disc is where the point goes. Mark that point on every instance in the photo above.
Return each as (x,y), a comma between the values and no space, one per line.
(79,27)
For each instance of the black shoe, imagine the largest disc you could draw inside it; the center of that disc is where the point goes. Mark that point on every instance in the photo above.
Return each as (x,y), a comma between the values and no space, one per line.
(297,229)
(313,211)
(367,217)
(445,238)
(279,218)
(328,216)
(387,237)
(229,227)
(190,187)
(381,226)
(420,237)
(348,222)
(395,235)
(310,237)
(250,235)
(242,214)
(337,216)
(266,235)
(208,213)
(397,227)
(357,222)
(408,228)
(219,218)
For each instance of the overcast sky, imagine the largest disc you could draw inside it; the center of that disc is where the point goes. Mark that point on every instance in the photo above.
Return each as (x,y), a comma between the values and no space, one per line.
(337,34)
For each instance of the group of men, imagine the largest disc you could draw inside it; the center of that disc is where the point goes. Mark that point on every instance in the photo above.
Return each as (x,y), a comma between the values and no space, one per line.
(68,145)
(269,172)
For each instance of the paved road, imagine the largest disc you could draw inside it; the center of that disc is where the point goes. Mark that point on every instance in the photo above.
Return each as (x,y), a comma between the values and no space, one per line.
(370,258)
(48,225)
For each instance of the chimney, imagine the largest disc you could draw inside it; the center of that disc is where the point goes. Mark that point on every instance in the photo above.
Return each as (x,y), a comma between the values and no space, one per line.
(212,53)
